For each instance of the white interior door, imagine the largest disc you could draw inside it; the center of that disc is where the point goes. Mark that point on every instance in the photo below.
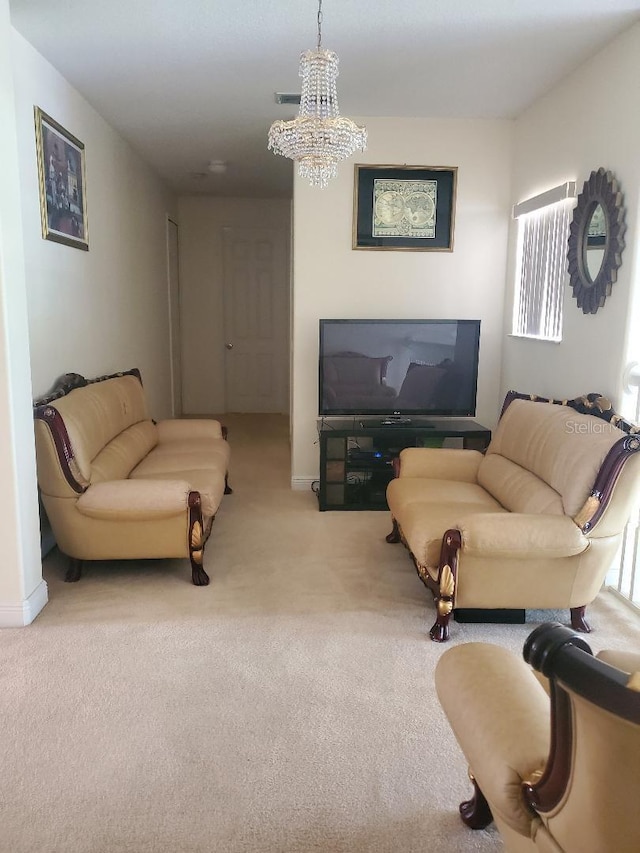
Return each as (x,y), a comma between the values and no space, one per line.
(173,283)
(256,312)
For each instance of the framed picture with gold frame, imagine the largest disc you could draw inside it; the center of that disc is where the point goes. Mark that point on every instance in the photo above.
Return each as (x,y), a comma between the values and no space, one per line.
(404,208)
(61,175)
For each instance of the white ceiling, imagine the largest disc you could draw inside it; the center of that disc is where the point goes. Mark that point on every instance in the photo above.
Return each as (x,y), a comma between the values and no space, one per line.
(189,81)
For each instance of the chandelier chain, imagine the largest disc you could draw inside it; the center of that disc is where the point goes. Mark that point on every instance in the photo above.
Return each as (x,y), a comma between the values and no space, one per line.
(319,23)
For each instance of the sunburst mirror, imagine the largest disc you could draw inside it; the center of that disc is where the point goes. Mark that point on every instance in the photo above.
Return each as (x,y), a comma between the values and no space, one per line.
(596,240)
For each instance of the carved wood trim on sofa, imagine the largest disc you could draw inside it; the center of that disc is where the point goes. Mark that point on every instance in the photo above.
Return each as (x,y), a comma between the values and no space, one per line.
(593,404)
(566,660)
(53,419)
(70,381)
(197,539)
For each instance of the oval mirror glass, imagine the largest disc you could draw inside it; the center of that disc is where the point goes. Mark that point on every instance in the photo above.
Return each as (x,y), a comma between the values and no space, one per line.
(595,242)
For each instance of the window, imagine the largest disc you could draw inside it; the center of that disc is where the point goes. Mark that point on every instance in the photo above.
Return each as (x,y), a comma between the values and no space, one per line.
(541,265)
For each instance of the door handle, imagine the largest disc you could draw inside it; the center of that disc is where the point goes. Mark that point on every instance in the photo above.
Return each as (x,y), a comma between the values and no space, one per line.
(229,346)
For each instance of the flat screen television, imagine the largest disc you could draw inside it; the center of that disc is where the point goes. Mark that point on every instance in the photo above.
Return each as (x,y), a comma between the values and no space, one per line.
(398,369)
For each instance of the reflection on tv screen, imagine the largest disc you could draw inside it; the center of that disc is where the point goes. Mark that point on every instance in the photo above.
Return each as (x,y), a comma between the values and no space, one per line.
(398,367)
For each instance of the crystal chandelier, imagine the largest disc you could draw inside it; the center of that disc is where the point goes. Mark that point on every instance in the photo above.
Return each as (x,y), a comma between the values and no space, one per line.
(319,136)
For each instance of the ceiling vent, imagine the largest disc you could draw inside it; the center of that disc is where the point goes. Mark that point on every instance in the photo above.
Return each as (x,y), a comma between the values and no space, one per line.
(286,98)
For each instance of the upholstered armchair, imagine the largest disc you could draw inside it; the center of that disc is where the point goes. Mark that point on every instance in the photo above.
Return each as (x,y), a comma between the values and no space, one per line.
(535,523)
(558,771)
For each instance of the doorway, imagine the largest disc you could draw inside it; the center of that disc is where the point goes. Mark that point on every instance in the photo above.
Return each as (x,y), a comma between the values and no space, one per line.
(256,319)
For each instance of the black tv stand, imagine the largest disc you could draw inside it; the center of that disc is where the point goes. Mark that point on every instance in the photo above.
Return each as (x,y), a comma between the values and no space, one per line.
(356,456)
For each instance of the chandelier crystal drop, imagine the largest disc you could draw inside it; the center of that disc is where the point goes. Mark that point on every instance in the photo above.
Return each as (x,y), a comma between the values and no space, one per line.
(319,137)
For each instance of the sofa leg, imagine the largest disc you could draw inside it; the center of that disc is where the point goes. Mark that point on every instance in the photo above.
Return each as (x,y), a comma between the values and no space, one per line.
(74,570)
(198,574)
(394,536)
(445,587)
(578,622)
(476,812)
(439,632)
(197,538)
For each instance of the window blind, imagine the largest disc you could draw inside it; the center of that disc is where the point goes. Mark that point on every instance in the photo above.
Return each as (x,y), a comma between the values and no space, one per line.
(541,270)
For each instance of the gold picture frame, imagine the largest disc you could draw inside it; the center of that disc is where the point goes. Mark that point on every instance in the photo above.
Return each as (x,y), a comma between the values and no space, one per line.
(404,208)
(62,182)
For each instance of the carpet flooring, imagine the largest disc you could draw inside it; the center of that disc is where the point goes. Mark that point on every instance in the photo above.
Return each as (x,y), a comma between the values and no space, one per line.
(288,707)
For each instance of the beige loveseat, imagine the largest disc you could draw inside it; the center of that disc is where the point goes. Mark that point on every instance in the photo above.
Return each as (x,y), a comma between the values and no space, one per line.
(117,485)
(534,523)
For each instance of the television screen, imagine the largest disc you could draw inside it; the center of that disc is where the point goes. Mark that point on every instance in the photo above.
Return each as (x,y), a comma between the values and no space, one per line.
(399,368)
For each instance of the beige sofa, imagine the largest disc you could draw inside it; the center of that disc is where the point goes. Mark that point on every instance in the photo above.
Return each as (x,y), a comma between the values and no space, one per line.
(554,747)
(117,485)
(534,523)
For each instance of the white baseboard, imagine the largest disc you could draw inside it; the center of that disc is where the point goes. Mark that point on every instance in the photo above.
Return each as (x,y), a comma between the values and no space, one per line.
(303,484)
(23,613)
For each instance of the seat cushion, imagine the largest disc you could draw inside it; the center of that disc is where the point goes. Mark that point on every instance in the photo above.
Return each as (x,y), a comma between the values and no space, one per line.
(403,491)
(425,509)
(202,463)
(209,482)
(174,455)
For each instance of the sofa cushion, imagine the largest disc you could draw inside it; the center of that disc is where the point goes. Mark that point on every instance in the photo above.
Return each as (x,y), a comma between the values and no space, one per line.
(517,489)
(203,464)
(427,508)
(188,429)
(135,500)
(95,414)
(209,483)
(562,447)
(124,452)
(522,536)
(401,492)
(174,455)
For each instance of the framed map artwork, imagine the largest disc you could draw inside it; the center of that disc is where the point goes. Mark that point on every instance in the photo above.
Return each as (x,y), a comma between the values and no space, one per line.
(407,208)
(61,174)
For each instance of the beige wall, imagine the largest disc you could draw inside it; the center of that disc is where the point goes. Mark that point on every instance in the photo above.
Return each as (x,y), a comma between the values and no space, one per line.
(202,219)
(106,309)
(333,280)
(62,309)
(592,119)
(22,590)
